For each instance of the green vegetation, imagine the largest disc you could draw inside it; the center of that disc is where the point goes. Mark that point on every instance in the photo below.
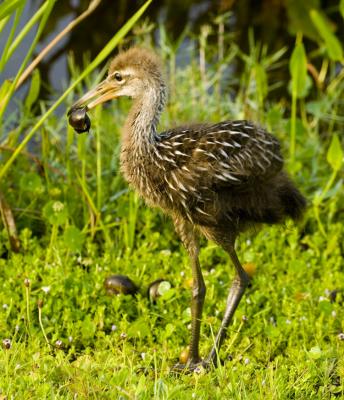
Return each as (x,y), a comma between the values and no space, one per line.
(69,221)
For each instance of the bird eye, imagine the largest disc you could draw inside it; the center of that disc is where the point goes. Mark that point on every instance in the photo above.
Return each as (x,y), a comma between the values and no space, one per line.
(118,77)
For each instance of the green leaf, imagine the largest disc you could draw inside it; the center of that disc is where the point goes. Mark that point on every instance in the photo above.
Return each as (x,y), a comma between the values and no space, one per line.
(34,89)
(333,45)
(315,353)
(299,19)
(139,328)
(319,108)
(305,89)
(335,154)
(298,70)
(341,7)
(88,328)
(73,238)
(55,213)
(325,306)
(31,182)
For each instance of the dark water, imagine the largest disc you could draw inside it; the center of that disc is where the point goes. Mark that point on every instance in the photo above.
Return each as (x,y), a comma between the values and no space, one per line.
(268,18)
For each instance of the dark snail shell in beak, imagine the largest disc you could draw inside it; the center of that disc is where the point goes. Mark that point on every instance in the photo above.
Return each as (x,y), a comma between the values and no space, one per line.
(79,120)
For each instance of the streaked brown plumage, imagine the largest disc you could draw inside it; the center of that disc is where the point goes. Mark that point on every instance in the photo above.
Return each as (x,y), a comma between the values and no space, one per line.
(215,179)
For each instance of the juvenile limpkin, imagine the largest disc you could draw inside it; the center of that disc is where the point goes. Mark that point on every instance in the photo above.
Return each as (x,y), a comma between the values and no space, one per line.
(214,179)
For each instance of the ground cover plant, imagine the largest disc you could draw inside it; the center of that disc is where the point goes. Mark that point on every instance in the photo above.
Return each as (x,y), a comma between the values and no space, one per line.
(69,221)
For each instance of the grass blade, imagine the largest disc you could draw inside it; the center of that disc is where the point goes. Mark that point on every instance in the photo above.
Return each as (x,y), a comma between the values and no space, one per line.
(333,46)
(6,100)
(7,7)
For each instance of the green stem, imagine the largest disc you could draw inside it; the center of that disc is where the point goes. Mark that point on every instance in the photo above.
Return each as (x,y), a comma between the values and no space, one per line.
(317,203)
(41,325)
(99,164)
(293,127)
(27,295)
(53,237)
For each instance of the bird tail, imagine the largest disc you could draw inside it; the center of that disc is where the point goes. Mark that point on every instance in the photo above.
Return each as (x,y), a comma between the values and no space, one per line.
(293,201)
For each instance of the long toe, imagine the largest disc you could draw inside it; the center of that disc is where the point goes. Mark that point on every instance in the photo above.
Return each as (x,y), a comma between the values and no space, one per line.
(192,367)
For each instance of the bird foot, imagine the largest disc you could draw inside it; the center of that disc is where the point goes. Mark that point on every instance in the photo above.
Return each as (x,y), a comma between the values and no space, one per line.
(191,367)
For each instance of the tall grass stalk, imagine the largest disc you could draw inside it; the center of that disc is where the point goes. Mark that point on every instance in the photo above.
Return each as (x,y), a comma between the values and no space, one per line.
(94,210)
(99,160)
(12,45)
(15,23)
(298,71)
(40,305)
(6,99)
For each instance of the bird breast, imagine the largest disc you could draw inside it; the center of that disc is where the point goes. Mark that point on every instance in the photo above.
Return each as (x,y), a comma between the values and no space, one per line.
(191,170)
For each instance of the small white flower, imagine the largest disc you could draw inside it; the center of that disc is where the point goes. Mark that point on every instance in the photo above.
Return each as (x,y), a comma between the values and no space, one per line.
(334,313)
(287,321)
(143,356)
(246,361)
(322,298)
(341,336)
(123,335)
(70,339)
(5,306)
(182,273)
(46,289)
(114,328)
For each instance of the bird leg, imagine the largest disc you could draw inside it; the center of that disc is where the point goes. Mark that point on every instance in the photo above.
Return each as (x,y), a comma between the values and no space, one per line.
(190,241)
(235,294)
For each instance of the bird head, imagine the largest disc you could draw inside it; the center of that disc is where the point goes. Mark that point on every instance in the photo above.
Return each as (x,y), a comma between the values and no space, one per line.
(131,73)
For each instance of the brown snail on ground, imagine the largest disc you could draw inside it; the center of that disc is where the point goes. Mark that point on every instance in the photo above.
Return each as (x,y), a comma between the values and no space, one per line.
(158,288)
(79,120)
(120,284)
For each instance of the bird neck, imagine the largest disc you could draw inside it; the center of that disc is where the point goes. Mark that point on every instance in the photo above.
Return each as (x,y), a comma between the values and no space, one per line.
(141,126)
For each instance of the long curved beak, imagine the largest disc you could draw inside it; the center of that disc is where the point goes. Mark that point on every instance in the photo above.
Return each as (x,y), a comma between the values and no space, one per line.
(105,91)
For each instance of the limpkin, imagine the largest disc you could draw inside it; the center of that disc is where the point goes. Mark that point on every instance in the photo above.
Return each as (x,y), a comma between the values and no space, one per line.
(215,179)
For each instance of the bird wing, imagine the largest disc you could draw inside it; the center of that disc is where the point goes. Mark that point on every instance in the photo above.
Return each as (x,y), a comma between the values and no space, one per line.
(224,154)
